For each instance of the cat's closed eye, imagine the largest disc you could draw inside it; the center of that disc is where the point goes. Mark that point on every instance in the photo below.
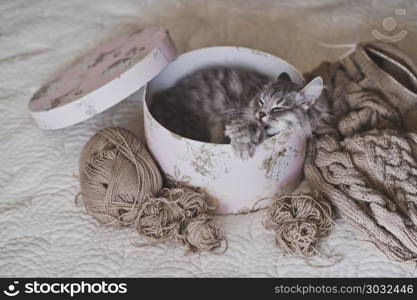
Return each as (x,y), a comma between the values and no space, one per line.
(277,109)
(261,102)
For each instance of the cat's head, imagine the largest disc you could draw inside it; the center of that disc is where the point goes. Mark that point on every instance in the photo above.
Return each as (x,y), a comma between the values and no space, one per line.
(281,104)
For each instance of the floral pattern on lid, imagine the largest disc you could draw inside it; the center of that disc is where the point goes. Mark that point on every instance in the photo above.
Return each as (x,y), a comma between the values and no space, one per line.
(106,76)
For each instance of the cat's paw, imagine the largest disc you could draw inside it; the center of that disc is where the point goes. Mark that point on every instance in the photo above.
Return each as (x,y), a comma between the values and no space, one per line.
(243,150)
(244,132)
(244,137)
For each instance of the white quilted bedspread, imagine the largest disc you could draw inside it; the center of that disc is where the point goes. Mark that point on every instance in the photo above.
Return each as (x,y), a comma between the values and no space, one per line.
(42,232)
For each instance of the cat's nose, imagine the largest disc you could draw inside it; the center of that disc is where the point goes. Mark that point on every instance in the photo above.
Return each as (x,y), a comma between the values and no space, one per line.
(261,115)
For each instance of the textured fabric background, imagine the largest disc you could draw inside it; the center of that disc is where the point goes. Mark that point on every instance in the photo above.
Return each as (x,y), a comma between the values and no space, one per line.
(43,233)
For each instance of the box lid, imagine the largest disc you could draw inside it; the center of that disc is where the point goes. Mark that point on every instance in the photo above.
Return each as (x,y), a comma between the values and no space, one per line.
(103,78)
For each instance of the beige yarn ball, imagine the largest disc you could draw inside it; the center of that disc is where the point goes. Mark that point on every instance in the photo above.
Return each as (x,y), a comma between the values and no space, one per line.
(117,174)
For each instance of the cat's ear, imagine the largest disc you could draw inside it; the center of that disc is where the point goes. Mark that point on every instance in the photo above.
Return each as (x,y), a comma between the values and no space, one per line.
(311,92)
(284,76)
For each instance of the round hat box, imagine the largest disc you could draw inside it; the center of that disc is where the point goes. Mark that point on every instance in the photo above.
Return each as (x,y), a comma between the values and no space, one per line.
(235,185)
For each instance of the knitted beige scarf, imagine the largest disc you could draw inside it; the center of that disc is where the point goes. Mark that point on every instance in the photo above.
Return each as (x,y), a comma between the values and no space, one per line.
(365,162)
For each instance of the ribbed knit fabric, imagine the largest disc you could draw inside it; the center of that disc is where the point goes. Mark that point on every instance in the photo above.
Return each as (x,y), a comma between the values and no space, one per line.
(365,162)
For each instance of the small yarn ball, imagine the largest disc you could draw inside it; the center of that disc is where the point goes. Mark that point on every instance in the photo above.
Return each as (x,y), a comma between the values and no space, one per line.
(298,222)
(117,174)
(193,202)
(203,235)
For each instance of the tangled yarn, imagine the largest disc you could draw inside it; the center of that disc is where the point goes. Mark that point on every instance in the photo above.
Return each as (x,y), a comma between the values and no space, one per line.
(298,222)
(162,216)
(121,185)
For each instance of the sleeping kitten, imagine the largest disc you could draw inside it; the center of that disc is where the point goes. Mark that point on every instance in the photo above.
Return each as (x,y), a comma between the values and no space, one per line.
(228,104)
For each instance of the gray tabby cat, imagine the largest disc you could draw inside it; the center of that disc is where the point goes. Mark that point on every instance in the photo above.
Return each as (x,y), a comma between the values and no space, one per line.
(222,105)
